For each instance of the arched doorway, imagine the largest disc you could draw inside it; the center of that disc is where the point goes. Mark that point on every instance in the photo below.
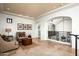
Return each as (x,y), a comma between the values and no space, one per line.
(59,29)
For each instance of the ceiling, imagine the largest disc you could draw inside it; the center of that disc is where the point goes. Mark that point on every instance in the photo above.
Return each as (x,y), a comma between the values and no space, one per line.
(30,9)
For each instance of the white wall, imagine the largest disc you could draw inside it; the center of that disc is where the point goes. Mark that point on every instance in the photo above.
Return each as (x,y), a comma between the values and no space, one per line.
(72,11)
(13,26)
(43,28)
(61,24)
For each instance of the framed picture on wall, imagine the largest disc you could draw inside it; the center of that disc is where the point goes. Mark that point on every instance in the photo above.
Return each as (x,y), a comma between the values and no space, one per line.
(25,26)
(9,20)
(29,26)
(20,26)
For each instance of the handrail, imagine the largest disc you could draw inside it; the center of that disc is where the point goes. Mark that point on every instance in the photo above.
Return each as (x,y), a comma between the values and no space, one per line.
(76,37)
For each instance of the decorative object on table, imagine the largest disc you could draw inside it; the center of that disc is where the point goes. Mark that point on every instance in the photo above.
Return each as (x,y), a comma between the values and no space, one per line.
(29,36)
(8,30)
(20,26)
(9,20)
(29,26)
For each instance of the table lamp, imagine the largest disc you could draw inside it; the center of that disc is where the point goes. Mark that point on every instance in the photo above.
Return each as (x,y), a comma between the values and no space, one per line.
(8,30)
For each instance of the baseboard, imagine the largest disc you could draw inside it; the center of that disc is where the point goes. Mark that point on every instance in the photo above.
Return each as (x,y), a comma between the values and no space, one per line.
(61,42)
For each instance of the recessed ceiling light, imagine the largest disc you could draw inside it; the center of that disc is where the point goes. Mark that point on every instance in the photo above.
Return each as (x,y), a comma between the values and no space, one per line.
(8,8)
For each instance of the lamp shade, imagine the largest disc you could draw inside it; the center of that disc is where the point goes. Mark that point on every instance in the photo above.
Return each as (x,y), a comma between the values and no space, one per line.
(8,30)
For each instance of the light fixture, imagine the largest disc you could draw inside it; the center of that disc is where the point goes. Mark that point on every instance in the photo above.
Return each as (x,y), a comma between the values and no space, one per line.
(8,30)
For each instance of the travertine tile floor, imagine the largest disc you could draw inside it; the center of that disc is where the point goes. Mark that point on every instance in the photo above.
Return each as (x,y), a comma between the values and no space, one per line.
(43,48)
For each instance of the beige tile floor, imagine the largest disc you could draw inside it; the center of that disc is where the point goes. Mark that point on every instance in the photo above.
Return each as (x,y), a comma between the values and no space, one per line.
(43,48)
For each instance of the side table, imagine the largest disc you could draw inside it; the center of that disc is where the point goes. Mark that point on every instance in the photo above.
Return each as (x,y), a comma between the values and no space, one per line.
(26,41)
(10,37)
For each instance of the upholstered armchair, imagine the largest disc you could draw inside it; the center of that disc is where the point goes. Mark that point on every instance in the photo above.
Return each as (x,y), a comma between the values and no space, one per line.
(23,39)
(20,35)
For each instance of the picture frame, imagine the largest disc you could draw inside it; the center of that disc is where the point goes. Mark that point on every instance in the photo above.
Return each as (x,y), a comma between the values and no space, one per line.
(25,26)
(9,20)
(20,26)
(29,26)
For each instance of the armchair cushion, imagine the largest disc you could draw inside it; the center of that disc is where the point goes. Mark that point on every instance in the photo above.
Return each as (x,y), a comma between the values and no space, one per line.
(21,34)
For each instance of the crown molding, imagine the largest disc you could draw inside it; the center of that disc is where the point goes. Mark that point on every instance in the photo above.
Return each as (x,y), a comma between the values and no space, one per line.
(17,15)
(43,15)
(56,10)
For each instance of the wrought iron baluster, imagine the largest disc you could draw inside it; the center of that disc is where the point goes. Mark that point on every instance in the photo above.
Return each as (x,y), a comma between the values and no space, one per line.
(76,37)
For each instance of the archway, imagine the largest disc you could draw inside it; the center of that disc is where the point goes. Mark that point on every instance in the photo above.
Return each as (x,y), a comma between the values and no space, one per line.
(59,29)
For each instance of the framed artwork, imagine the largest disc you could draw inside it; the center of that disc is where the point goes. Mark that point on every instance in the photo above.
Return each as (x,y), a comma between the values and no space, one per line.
(20,26)
(9,20)
(25,26)
(29,26)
